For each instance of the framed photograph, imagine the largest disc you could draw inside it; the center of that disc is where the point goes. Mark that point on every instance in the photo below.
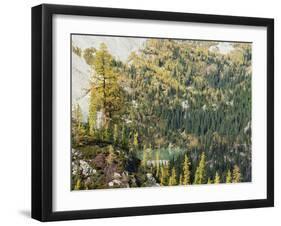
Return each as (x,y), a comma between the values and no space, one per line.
(146,112)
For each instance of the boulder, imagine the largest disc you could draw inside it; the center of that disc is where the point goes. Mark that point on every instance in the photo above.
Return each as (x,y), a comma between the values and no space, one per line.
(150,181)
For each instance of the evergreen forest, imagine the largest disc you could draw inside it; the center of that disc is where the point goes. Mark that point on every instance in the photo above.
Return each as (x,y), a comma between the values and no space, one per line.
(174,112)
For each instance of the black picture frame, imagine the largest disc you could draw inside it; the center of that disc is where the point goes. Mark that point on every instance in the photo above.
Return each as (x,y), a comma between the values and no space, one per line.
(42,107)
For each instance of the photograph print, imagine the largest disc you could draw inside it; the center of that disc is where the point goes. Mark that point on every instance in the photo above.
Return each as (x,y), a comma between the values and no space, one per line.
(154,112)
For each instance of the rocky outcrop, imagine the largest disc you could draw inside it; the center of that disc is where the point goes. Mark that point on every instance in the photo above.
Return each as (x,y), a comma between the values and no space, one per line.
(81,167)
(106,169)
(150,181)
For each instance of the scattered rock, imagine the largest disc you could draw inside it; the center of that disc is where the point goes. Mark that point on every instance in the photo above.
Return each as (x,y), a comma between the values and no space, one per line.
(75,154)
(116,175)
(81,167)
(99,161)
(151,181)
(115,183)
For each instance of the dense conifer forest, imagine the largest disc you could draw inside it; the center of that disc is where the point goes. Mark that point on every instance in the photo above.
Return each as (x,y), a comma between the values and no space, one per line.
(175,112)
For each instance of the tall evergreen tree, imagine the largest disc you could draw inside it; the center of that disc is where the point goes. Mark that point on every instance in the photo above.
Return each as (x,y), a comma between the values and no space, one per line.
(186,170)
(217,178)
(78,130)
(92,114)
(200,170)
(106,94)
(157,158)
(165,175)
(236,174)
(115,134)
(228,177)
(180,180)
(173,177)
(78,184)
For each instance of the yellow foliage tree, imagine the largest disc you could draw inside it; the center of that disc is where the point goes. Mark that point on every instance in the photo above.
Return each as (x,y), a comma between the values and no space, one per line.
(105,92)
(209,181)
(228,177)
(236,174)
(200,170)
(217,178)
(173,178)
(186,171)
(157,158)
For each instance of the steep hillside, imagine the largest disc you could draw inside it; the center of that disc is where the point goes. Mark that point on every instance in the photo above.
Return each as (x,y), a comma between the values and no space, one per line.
(172,108)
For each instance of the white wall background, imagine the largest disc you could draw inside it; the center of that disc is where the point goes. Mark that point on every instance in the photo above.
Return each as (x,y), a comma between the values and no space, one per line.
(15,119)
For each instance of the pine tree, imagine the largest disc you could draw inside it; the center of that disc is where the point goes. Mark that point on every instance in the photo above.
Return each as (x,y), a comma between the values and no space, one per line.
(228,177)
(106,94)
(186,171)
(200,170)
(173,177)
(164,179)
(163,176)
(157,158)
(107,134)
(92,114)
(180,180)
(78,130)
(209,181)
(217,178)
(78,184)
(115,134)
(196,176)
(236,174)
